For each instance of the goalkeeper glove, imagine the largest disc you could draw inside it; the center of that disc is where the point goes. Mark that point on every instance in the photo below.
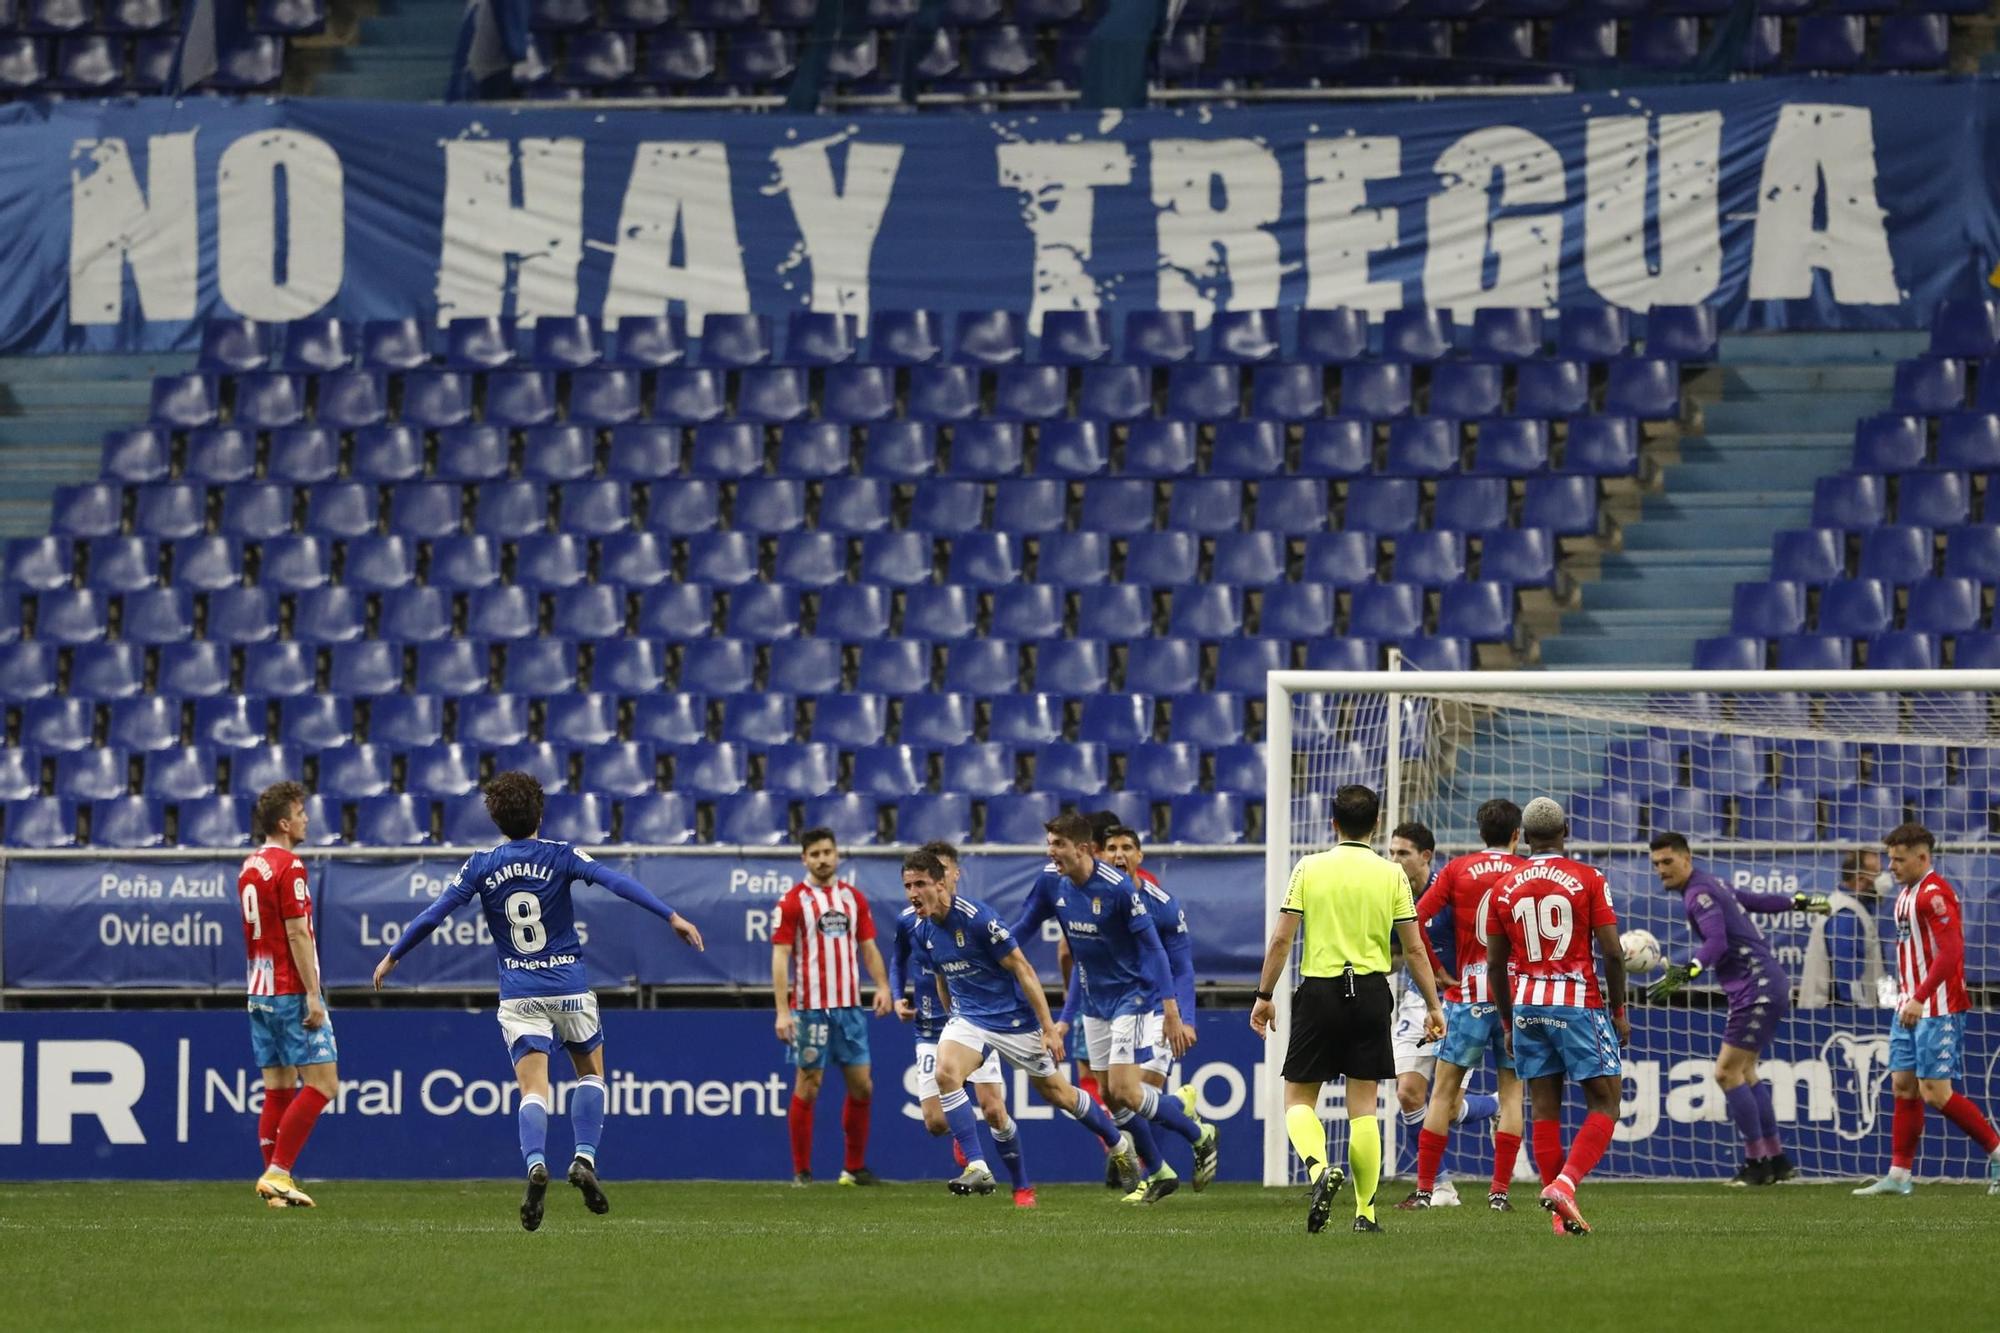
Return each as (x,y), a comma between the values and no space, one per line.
(1816,903)
(1677,976)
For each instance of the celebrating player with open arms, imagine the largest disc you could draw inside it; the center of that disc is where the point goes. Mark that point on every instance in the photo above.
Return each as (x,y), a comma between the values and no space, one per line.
(523,884)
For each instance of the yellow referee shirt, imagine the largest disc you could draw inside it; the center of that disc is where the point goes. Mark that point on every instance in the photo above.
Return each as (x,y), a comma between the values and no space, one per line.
(1351,899)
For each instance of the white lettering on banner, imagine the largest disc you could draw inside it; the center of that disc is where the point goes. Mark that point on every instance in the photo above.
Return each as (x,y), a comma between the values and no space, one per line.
(183,932)
(1201,242)
(1616,149)
(1342,231)
(116,1080)
(1775,882)
(486,234)
(770,882)
(246,225)
(199,887)
(757,925)
(838,227)
(112,225)
(1527,250)
(465,932)
(424,885)
(1058,183)
(13,1084)
(680,188)
(1235,1090)
(1817,147)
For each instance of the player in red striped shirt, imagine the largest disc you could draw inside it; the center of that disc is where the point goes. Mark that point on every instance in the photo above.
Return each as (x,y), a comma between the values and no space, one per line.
(290,1033)
(1927,1040)
(1541,923)
(825,926)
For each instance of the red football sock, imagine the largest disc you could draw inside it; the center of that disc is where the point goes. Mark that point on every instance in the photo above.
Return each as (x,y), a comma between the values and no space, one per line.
(1088,1085)
(854,1128)
(799,1116)
(268,1119)
(1906,1131)
(297,1127)
(1548,1141)
(1962,1111)
(1591,1141)
(1506,1151)
(1430,1156)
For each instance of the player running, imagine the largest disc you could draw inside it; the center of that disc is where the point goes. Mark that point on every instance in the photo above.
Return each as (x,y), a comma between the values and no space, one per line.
(1927,1040)
(1754,982)
(826,921)
(1472,1022)
(1124,975)
(995,999)
(524,886)
(290,1033)
(1540,923)
(928,1010)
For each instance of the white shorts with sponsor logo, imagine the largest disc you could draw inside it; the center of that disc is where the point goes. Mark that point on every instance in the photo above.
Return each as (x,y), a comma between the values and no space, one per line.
(927,1088)
(1116,1041)
(1412,1058)
(1023,1050)
(538,1022)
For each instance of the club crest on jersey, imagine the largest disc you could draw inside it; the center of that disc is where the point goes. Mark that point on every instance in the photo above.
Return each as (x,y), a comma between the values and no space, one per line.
(833,923)
(959,935)
(1097,907)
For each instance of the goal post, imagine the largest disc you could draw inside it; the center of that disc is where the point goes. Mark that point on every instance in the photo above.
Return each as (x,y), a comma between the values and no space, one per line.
(1779,780)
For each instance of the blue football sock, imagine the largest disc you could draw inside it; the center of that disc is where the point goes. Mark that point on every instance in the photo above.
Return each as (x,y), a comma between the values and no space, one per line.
(964,1122)
(534,1118)
(1142,1139)
(586,1116)
(1008,1144)
(1093,1118)
(1481,1106)
(1167,1111)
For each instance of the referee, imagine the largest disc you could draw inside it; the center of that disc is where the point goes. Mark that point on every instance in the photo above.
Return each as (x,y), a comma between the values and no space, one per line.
(1351,900)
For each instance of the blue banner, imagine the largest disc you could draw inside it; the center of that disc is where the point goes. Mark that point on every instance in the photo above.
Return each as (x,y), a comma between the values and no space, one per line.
(701,1094)
(1781,202)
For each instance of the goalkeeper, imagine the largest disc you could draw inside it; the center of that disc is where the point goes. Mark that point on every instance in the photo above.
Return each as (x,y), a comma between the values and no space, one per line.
(1755,984)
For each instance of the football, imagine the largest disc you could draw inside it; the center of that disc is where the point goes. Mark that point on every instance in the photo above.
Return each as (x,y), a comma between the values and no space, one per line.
(1642,950)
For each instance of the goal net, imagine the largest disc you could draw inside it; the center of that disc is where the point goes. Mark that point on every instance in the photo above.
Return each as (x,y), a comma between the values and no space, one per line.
(1781,781)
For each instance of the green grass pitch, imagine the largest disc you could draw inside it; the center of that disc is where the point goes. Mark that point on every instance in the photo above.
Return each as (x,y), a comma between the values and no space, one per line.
(739,1257)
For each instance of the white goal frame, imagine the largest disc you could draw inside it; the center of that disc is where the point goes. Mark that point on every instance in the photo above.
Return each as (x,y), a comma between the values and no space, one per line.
(1281,686)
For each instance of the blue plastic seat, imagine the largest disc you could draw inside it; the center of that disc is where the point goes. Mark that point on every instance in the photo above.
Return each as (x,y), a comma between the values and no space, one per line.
(772,394)
(1248,449)
(1416,333)
(507,510)
(192,671)
(1242,664)
(351,399)
(943,393)
(1074,337)
(956,508)
(1205,612)
(649,342)
(184,401)
(1944,605)
(988,338)
(1933,499)
(1381,505)
(424,510)
(1375,389)
(1644,387)
(1206,506)
(226,722)
(219,455)
(708,770)
(1116,720)
(135,457)
(27,671)
(934,721)
(1430,559)
(673,611)
(849,721)
(126,822)
(904,337)
(1342,447)
(1512,447)
(896,667)
(1018,818)
(1848,502)
(460,562)
(353,773)
(1062,666)
(1973,552)
(230,346)
(1213,818)
(416,615)
(722,559)
(1900,554)
(1768,610)
(814,450)
(1159,337)
(548,562)
(64,726)
(1681,332)
(316,722)
(567,342)
(543,667)
(256,511)
(1204,392)
(168,510)
(498,614)
(477,342)
(859,613)
(751,818)
(1480,611)
(1551,388)
(769,505)
(1288,392)
(150,616)
(1333,336)
(1929,386)
(1386,611)
(1602,447)
(1115,392)
(547,764)
(669,721)
(406,721)
(985,449)
(1809,555)
(393,344)
(1465,389)
(1905,650)
(119,564)
(688,396)
(268,400)
(1968,441)
(1162,559)
(398,820)
(1592,333)
(1965,328)
(1423,447)
(761,613)
(1071,771)
(658,818)
(931,614)
(454,669)
(1030,393)
(1245,336)
(39,564)
(605,396)
(643,451)
(433,399)
(83,775)
(682,506)
(801,770)
(1812,652)
(925,818)
(1028,611)
(1859,814)
(556,453)
(858,394)
(1029,506)
(1506,333)
(242,615)
(1830,42)
(580,721)
(98,671)
(735,340)
(1566,506)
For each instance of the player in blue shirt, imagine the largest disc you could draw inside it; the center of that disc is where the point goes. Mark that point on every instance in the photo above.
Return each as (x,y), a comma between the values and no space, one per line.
(523,884)
(1123,972)
(910,969)
(996,1001)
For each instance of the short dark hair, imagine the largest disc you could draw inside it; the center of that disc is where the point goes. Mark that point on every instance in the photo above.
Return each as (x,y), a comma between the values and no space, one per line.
(273,804)
(925,863)
(1101,824)
(1072,827)
(818,834)
(1356,810)
(1670,842)
(514,800)
(1119,831)
(1911,834)
(943,851)
(1417,835)
(1499,819)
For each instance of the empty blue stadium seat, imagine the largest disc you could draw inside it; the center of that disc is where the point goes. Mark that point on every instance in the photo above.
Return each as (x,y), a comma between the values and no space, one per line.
(455,669)
(1944,605)
(132,456)
(1465,389)
(1343,447)
(1602,447)
(800,770)
(643,451)
(1551,388)
(931,614)
(184,401)
(1928,386)
(669,720)
(1644,387)
(316,722)
(242,615)
(684,505)
(1062,666)
(1205,612)
(232,346)
(169,510)
(1017,818)
(192,670)
(1386,611)
(1206,506)
(1214,818)
(126,822)
(1429,558)
(1071,771)
(63,726)
(1890,442)
(1965,328)
(978,768)
(1564,505)
(1470,504)
(291,564)
(1811,652)
(1848,502)
(888,772)
(850,720)
(1768,610)
(1506,332)
(850,613)
(1968,441)
(1904,650)
(465,821)
(1381,505)
(762,613)
(985,449)
(1809,555)
(100,774)
(219,455)
(1933,499)
(401,820)
(1375,389)
(352,773)
(1333,336)
(121,564)
(27,671)
(1859,814)
(1480,611)
(1416,333)
(226,722)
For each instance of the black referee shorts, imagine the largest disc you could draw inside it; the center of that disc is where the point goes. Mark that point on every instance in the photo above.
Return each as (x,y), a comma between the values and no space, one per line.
(1337,1035)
